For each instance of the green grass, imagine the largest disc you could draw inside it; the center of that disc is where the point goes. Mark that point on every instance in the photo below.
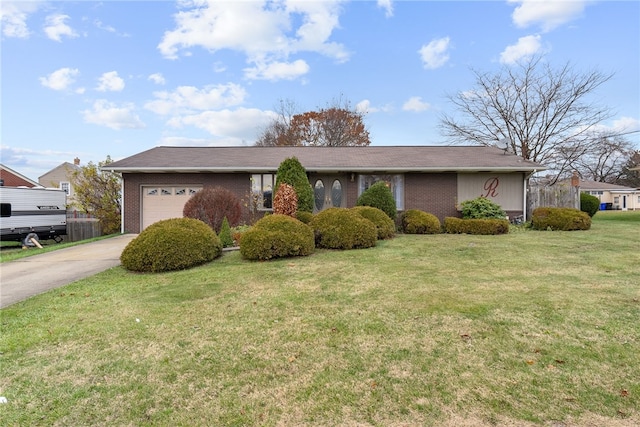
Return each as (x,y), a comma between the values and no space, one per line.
(529,328)
(11,251)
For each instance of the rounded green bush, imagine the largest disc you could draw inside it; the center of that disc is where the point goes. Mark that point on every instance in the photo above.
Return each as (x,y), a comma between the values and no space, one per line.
(379,196)
(341,228)
(477,226)
(385,227)
(589,204)
(563,219)
(171,244)
(481,208)
(277,236)
(415,221)
(304,216)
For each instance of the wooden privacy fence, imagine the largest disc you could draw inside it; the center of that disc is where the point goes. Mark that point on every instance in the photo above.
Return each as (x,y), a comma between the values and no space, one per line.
(82,229)
(559,195)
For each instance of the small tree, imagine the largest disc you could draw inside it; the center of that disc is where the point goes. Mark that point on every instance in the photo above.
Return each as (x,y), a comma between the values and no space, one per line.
(211,205)
(293,173)
(285,201)
(379,196)
(98,192)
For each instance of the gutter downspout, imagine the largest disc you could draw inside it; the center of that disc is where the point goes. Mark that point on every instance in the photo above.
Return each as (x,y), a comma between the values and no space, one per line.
(122,204)
(524,194)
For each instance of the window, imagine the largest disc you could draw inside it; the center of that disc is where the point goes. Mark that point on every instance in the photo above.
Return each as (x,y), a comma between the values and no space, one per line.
(5,210)
(262,190)
(66,186)
(152,192)
(166,191)
(394,182)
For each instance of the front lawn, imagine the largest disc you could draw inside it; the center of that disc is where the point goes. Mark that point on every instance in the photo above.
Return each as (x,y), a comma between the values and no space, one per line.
(529,328)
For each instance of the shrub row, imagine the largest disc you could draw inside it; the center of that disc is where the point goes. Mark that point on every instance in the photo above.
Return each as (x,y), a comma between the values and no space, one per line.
(476,226)
(560,219)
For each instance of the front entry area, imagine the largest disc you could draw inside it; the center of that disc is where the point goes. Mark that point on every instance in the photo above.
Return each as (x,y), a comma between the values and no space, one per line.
(164,202)
(328,192)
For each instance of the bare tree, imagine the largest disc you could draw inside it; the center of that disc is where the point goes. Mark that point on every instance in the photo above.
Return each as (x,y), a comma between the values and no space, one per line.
(604,160)
(630,175)
(542,113)
(277,132)
(336,125)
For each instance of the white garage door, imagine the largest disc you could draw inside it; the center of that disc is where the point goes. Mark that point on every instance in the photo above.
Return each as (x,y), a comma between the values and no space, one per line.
(165,202)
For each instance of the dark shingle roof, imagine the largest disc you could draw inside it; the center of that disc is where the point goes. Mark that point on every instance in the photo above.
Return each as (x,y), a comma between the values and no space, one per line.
(325,159)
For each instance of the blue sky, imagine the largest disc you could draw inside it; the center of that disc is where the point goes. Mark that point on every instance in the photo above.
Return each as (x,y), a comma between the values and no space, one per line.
(89,79)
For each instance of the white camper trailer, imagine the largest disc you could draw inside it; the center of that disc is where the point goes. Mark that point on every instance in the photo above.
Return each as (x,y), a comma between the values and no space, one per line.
(24,211)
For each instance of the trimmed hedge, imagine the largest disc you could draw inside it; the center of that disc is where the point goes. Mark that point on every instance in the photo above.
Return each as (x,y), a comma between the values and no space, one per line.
(171,244)
(304,216)
(560,219)
(476,226)
(589,204)
(415,221)
(277,236)
(342,228)
(379,196)
(385,227)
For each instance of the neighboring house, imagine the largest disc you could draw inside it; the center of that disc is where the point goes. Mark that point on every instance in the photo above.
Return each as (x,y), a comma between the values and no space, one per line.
(60,177)
(612,196)
(11,178)
(159,181)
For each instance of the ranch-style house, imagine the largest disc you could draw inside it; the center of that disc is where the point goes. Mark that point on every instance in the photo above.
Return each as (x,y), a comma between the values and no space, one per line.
(158,182)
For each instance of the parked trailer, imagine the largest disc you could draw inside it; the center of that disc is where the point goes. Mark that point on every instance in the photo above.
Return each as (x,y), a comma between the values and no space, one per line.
(25,211)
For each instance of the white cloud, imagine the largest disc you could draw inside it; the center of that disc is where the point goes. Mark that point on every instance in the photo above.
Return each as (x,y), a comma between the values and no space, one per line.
(264,31)
(525,47)
(110,82)
(621,125)
(545,13)
(108,114)
(186,99)
(387,5)
(60,79)
(277,70)
(56,27)
(241,124)
(365,106)
(13,18)
(416,104)
(157,78)
(435,54)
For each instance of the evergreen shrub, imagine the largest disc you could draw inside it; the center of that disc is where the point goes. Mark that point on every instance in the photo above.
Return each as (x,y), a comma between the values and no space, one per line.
(293,173)
(211,205)
(277,236)
(481,207)
(415,221)
(225,234)
(171,244)
(589,204)
(560,219)
(385,227)
(485,226)
(304,216)
(341,228)
(379,196)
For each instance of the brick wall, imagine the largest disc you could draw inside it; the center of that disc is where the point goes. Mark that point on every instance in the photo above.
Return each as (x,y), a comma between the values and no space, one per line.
(433,193)
(238,183)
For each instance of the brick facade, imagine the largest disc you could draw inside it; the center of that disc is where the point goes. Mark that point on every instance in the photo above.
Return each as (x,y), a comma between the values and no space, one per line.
(435,193)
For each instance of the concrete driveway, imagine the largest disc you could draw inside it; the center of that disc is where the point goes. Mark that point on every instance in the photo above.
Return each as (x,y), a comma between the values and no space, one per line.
(36,274)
